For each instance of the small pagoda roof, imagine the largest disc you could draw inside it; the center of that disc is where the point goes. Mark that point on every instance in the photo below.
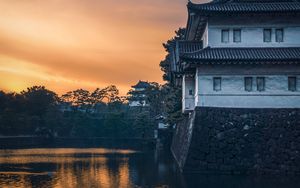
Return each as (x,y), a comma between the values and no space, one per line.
(141,84)
(247,6)
(272,55)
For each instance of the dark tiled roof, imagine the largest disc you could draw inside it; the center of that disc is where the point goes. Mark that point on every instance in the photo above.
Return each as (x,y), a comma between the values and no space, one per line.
(226,6)
(232,55)
(141,84)
(189,46)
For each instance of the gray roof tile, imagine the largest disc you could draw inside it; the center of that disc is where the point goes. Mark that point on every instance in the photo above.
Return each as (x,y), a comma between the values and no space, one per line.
(247,6)
(207,55)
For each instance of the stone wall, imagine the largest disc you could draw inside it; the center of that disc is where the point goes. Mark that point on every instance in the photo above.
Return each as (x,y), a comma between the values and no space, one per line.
(181,141)
(239,141)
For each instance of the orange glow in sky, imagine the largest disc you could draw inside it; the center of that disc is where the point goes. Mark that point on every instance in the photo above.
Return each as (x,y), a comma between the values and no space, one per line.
(71,44)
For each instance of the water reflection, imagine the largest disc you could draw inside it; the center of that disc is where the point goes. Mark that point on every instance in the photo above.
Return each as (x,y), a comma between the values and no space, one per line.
(63,168)
(107,168)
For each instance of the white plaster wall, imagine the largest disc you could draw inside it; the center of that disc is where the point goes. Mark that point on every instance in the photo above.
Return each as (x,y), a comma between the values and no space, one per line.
(205,37)
(196,88)
(233,94)
(139,89)
(250,101)
(252,31)
(137,103)
(188,101)
(253,37)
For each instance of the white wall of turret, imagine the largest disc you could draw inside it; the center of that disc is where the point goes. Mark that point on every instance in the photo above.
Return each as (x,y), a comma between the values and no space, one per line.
(252,31)
(188,93)
(272,86)
(232,92)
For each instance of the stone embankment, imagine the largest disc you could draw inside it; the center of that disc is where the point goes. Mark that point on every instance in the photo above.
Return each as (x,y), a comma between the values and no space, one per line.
(239,141)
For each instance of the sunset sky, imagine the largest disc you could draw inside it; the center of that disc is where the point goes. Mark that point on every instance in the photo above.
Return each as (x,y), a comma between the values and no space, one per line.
(70,44)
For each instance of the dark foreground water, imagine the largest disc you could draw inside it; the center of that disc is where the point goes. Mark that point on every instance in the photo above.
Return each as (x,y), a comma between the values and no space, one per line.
(113,168)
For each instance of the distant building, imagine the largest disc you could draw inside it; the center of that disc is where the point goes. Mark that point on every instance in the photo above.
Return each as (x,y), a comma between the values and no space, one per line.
(138,96)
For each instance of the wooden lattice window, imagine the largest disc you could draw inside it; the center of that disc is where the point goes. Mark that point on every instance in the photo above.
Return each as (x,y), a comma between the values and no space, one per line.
(237,35)
(292,83)
(267,35)
(279,35)
(248,83)
(260,83)
(217,83)
(225,36)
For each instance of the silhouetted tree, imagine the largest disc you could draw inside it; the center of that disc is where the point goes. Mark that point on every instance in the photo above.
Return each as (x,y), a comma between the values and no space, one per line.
(38,100)
(112,93)
(172,94)
(77,97)
(38,111)
(144,124)
(172,103)
(3,100)
(166,63)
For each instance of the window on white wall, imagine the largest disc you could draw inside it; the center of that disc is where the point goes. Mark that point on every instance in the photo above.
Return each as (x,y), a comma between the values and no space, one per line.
(248,83)
(217,83)
(267,35)
(279,35)
(191,92)
(292,83)
(225,36)
(237,35)
(260,83)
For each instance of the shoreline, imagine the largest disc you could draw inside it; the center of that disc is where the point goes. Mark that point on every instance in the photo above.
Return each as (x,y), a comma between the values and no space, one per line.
(22,142)
(70,137)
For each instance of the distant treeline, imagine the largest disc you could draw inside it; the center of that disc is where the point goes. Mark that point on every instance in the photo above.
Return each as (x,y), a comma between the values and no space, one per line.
(101,113)
(80,113)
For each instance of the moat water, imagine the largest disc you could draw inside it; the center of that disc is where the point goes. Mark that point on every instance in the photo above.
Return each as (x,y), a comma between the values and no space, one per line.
(114,168)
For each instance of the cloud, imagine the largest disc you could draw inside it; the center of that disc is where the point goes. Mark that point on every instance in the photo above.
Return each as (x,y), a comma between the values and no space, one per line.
(67,44)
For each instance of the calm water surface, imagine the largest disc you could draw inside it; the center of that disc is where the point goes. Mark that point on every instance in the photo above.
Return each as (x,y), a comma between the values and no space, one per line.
(110,168)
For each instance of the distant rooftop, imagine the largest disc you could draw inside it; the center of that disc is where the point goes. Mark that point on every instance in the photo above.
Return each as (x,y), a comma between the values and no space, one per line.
(141,84)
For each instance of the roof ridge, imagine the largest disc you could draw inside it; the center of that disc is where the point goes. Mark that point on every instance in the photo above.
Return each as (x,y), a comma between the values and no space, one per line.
(243,1)
(238,6)
(141,84)
(252,1)
(288,47)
